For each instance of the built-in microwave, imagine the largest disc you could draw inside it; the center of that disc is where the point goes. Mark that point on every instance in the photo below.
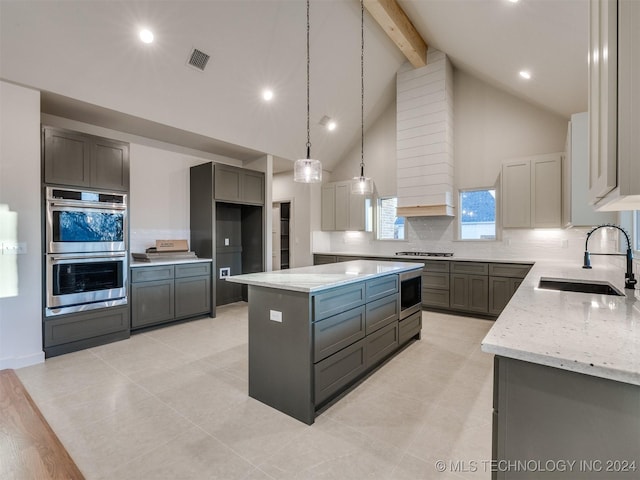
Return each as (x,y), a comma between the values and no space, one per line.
(85,221)
(410,293)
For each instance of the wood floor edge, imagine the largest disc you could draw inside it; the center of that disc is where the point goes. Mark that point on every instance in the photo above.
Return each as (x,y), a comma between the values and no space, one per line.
(33,448)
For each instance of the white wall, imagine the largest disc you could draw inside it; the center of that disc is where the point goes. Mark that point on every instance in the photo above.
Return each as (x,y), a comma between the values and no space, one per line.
(21,314)
(379,155)
(491,125)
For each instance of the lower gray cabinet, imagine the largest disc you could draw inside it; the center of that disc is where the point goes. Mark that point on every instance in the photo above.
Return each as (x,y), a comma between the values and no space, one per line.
(76,331)
(339,370)
(469,293)
(381,343)
(501,289)
(164,293)
(319,259)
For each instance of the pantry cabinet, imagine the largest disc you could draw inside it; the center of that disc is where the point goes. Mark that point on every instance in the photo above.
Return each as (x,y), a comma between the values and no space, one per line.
(531,192)
(80,160)
(340,209)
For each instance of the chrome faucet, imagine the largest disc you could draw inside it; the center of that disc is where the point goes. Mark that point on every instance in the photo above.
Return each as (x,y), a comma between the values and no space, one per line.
(629,279)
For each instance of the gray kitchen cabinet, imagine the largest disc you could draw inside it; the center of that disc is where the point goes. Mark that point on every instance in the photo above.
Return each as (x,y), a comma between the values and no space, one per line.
(319,259)
(614,107)
(504,280)
(542,412)
(435,284)
(531,192)
(238,185)
(77,159)
(469,286)
(164,293)
(340,209)
(77,331)
(348,331)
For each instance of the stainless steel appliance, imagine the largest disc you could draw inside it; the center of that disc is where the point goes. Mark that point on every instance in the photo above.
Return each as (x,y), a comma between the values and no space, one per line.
(86,260)
(410,293)
(85,221)
(425,254)
(77,283)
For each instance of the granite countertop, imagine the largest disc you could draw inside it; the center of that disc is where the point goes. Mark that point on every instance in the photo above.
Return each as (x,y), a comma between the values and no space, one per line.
(321,277)
(155,263)
(588,333)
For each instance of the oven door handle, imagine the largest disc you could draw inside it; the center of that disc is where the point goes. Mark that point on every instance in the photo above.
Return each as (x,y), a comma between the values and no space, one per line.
(105,255)
(104,206)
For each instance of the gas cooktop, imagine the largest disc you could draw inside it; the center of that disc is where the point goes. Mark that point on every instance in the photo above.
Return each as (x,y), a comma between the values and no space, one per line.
(426,254)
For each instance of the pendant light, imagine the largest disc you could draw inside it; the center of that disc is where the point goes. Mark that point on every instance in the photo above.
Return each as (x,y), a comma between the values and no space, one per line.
(362,185)
(307,170)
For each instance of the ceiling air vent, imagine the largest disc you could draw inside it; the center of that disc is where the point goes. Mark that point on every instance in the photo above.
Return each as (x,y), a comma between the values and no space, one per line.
(198,59)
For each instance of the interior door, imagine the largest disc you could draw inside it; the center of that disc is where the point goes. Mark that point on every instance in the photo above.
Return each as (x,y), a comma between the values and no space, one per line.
(275,237)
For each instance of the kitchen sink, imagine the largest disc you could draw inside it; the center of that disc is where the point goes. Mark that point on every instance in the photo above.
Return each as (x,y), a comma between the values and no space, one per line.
(576,285)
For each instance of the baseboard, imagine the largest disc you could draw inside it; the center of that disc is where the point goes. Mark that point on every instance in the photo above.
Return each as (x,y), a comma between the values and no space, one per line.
(20,362)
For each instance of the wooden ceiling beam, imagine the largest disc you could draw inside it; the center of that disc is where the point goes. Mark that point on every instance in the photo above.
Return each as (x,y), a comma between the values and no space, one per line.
(399,28)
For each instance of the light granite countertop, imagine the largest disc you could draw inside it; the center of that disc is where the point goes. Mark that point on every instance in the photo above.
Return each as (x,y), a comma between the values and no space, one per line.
(321,277)
(588,333)
(156,263)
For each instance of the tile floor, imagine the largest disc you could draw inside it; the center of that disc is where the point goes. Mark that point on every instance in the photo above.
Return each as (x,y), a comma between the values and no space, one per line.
(172,404)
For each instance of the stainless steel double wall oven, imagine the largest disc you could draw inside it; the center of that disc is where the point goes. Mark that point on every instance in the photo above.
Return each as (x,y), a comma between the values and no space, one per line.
(86,250)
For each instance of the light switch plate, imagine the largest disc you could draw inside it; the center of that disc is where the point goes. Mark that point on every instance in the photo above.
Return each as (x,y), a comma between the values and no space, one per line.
(226,242)
(275,315)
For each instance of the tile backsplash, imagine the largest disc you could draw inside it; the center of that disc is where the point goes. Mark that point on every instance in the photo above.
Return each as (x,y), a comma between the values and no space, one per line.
(436,234)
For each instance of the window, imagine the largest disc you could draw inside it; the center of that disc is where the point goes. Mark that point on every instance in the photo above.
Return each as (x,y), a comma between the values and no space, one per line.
(389,227)
(477,214)
(636,230)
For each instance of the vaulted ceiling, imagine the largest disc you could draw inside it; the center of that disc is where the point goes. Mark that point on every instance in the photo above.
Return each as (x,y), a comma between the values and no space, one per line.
(86,58)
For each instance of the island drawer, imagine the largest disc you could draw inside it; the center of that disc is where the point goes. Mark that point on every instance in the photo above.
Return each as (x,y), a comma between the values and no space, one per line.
(150,274)
(381,287)
(193,270)
(472,268)
(381,343)
(435,280)
(409,327)
(515,270)
(338,300)
(334,333)
(382,312)
(339,370)
(436,266)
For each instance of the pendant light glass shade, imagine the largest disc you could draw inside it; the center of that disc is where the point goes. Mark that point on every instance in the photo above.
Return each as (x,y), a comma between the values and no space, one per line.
(306,170)
(362,185)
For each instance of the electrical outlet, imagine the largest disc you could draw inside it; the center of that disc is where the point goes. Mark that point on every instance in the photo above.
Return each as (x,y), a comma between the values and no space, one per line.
(13,248)
(225,272)
(275,315)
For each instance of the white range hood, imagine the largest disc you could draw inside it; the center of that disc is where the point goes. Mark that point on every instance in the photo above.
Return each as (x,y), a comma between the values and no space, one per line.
(425,138)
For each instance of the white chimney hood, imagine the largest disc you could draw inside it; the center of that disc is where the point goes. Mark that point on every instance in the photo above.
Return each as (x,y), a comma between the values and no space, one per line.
(425,138)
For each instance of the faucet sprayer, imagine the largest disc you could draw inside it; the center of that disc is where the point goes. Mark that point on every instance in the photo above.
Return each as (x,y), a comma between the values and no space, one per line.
(629,279)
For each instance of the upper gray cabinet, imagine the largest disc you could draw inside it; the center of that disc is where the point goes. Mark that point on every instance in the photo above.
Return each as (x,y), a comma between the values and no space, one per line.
(576,210)
(614,104)
(77,159)
(238,185)
(341,210)
(531,192)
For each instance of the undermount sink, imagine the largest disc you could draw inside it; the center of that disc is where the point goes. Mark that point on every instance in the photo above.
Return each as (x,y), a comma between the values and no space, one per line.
(576,285)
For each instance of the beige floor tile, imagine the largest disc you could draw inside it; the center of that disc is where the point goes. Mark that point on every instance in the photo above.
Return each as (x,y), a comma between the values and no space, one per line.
(173,403)
(191,455)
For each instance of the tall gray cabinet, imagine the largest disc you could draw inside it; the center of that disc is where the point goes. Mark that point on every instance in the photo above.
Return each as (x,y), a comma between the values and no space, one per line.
(227,224)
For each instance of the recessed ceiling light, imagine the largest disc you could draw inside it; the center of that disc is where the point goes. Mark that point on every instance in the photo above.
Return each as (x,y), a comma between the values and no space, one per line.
(267,94)
(331,126)
(146,35)
(514,1)
(525,74)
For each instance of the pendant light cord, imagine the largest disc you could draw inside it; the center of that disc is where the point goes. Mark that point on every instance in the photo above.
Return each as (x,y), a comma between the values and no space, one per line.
(308,63)
(362,88)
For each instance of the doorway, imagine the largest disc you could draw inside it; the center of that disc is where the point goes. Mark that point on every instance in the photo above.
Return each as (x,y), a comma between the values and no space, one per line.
(281,234)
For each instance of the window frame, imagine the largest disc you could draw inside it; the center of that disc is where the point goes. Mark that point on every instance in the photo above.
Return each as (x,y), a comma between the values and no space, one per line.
(498,228)
(376,222)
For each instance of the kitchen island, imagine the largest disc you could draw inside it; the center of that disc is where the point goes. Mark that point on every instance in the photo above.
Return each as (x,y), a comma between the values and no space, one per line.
(316,331)
(567,379)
